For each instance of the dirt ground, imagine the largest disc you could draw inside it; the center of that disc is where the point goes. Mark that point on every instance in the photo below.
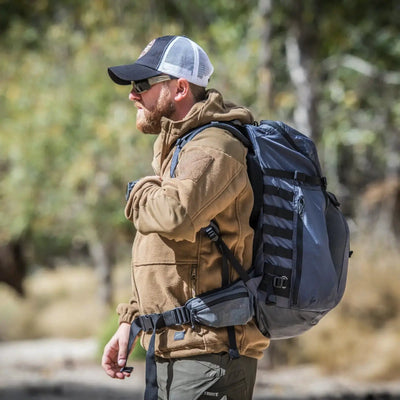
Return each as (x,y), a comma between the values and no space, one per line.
(56,369)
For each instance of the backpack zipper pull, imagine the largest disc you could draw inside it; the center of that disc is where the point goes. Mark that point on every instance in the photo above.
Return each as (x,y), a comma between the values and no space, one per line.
(301,206)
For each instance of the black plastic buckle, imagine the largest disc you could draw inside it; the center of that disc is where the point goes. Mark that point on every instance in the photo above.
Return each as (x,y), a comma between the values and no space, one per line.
(177,316)
(212,231)
(280,282)
(126,369)
(146,322)
(182,315)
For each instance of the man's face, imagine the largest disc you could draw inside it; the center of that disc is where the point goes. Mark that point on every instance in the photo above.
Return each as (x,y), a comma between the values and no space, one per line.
(151,106)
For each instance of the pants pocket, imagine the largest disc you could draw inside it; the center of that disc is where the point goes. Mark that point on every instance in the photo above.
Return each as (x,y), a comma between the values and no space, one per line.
(184,379)
(230,391)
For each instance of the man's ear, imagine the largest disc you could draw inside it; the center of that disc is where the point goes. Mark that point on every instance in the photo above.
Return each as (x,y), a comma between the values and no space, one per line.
(182,89)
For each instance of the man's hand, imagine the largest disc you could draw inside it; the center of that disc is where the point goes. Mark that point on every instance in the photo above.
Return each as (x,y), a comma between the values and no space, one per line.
(115,352)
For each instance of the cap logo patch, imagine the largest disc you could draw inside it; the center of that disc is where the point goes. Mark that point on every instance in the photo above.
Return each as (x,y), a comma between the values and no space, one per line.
(147,48)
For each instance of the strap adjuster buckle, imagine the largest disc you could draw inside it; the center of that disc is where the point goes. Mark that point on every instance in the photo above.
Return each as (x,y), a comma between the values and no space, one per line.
(146,322)
(280,282)
(212,231)
(181,315)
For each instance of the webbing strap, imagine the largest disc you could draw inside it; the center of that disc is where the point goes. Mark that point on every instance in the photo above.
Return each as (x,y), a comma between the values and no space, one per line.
(234,262)
(272,230)
(233,350)
(278,212)
(278,251)
(297,176)
(151,392)
(214,235)
(179,144)
(230,127)
(135,330)
(277,280)
(152,322)
(279,192)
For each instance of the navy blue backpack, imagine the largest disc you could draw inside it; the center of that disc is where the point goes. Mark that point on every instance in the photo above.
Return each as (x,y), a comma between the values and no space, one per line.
(301,245)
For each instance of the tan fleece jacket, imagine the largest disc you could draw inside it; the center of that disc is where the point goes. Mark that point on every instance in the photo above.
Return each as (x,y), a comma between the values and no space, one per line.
(172,260)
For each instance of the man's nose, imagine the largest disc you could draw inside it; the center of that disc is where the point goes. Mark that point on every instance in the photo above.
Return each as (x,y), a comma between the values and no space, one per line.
(133,96)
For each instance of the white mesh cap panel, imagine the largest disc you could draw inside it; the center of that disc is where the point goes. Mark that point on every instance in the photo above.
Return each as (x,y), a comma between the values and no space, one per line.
(185,59)
(205,67)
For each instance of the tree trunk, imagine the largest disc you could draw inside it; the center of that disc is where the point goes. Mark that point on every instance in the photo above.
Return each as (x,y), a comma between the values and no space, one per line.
(265,70)
(102,258)
(301,43)
(13,265)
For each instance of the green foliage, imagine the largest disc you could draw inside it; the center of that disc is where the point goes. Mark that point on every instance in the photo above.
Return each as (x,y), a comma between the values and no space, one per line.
(68,141)
(64,140)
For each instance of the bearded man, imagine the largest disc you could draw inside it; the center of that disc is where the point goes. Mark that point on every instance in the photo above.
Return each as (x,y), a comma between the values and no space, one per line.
(172,260)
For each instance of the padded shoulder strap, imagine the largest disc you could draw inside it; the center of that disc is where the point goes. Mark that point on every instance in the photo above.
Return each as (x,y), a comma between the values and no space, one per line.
(233,129)
(179,145)
(230,127)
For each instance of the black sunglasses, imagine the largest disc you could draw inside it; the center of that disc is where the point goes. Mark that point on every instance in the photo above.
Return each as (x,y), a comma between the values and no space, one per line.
(145,84)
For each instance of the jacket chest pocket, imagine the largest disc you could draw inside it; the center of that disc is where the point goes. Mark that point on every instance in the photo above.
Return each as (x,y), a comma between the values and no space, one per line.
(155,249)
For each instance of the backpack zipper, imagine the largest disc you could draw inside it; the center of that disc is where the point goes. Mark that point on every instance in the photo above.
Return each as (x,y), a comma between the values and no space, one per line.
(299,247)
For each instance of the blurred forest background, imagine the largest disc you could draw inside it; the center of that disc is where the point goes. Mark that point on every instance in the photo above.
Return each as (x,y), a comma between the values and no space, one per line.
(68,145)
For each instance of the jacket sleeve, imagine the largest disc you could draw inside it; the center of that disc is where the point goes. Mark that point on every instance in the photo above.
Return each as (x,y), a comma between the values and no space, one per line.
(211,173)
(127,312)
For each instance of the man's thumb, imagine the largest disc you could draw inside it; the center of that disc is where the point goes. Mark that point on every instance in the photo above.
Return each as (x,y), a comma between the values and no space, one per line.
(121,360)
(123,344)
(122,356)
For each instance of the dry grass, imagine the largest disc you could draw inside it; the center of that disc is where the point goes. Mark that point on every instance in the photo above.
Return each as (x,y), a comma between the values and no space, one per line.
(59,303)
(360,337)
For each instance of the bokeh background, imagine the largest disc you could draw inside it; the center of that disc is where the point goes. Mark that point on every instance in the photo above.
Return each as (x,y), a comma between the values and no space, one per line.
(68,145)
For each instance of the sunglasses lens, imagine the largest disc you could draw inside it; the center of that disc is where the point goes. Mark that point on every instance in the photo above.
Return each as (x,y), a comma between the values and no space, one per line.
(141,86)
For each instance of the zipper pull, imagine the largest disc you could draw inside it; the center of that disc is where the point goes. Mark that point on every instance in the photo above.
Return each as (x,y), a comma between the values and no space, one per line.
(300,206)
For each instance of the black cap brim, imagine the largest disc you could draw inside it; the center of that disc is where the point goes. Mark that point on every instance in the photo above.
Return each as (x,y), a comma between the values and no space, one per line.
(125,74)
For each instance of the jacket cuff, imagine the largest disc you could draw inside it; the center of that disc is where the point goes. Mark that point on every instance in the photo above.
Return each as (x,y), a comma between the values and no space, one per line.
(126,313)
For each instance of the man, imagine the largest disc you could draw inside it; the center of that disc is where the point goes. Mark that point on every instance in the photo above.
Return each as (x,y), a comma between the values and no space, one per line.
(172,259)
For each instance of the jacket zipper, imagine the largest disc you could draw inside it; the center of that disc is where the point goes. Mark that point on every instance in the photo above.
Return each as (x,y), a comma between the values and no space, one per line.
(193,277)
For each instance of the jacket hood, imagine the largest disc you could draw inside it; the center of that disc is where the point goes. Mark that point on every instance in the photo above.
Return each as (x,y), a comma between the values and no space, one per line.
(213,108)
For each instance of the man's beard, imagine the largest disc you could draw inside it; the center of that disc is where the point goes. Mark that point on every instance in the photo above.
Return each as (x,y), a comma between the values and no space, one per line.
(148,120)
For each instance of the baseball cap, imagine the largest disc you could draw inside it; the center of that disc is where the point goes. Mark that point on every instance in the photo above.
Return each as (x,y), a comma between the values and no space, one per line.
(177,56)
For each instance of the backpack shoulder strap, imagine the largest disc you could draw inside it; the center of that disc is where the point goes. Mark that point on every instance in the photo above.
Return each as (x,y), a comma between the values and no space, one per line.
(230,127)
(179,145)
(234,129)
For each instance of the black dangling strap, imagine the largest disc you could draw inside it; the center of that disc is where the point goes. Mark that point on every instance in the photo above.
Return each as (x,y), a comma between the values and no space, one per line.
(150,323)
(136,328)
(233,350)
(151,392)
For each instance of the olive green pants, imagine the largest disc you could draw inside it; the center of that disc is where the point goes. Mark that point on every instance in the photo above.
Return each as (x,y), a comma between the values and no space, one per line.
(206,377)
